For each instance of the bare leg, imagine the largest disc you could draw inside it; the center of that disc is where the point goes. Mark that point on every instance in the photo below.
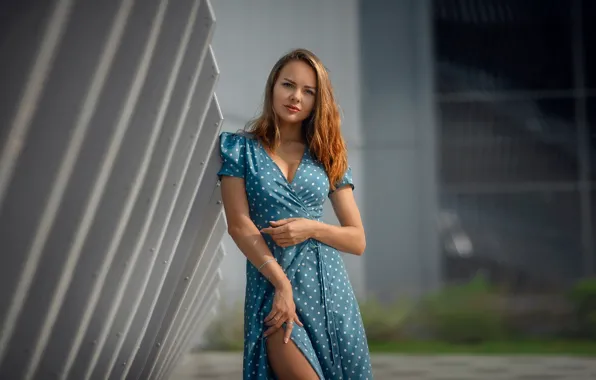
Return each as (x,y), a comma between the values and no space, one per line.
(286,359)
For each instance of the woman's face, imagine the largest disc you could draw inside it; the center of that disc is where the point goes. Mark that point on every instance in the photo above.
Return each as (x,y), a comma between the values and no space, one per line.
(294,93)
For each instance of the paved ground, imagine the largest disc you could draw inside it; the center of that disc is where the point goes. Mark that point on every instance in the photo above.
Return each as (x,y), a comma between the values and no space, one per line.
(219,366)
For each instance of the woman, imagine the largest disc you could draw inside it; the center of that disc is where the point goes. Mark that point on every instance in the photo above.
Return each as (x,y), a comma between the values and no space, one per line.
(301,317)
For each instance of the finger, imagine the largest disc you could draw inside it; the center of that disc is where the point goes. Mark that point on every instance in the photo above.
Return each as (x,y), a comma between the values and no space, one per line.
(288,332)
(271,315)
(280,238)
(273,231)
(298,321)
(286,242)
(274,321)
(282,232)
(270,330)
(280,323)
(281,222)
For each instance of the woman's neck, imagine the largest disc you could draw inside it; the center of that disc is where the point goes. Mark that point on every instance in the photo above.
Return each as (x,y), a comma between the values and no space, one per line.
(290,133)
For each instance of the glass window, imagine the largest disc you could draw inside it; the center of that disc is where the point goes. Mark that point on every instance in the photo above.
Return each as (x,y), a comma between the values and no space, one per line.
(508,141)
(591,125)
(588,13)
(532,235)
(503,45)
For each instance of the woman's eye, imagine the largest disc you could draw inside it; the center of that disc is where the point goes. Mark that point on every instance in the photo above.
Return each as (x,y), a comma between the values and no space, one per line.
(311,92)
(286,84)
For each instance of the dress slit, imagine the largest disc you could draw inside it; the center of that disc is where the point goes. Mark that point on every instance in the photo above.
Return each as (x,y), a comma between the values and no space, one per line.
(300,345)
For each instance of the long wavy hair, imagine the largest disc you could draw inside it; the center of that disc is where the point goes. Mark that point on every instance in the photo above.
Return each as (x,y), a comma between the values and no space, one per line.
(321,129)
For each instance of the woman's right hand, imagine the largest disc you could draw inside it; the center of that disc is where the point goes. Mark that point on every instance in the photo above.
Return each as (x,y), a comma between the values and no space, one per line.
(282,311)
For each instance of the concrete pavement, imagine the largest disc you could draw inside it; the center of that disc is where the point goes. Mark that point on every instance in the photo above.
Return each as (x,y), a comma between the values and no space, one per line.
(228,366)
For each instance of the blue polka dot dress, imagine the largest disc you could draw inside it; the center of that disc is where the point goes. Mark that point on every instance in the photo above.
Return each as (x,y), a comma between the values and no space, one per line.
(333,338)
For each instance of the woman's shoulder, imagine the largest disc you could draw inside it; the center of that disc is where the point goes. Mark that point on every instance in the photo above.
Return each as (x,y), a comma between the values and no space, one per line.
(236,138)
(237,143)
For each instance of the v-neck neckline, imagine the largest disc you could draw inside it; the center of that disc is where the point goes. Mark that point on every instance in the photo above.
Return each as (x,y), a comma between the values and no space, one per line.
(279,169)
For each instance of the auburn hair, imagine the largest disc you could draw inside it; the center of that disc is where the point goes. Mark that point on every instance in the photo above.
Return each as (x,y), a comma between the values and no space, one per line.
(321,129)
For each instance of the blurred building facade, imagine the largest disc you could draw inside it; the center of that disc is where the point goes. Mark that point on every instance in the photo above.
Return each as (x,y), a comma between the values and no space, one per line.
(514,94)
(469,124)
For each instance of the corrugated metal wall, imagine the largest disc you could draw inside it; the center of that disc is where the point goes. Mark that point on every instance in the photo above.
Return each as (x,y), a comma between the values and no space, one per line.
(110,212)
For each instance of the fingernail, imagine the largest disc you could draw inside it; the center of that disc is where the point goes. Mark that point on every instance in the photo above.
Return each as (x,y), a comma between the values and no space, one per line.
(286,340)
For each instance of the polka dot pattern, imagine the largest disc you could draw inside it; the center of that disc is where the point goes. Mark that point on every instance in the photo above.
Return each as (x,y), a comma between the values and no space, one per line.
(333,338)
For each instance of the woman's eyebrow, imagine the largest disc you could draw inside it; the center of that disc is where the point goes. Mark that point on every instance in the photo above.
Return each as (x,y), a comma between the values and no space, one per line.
(291,81)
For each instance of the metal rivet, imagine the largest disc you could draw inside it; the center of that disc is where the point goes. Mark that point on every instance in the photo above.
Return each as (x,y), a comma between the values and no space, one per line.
(165,261)
(158,344)
(202,162)
(186,278)
(218,202)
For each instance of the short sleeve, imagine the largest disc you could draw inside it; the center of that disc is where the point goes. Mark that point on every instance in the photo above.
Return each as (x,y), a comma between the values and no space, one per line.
(346,180)
(233,155)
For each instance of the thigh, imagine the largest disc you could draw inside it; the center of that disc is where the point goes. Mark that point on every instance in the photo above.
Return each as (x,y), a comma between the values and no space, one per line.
(287,360)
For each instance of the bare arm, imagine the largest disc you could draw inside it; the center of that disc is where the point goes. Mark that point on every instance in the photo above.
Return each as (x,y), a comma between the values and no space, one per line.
(245,234)
(250,241)
(349,237)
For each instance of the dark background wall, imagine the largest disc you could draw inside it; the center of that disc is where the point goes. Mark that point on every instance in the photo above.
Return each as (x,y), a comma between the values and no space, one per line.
(513,90)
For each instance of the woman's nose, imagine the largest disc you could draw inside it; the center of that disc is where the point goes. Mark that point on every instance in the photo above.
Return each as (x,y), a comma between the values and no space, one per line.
(295,96)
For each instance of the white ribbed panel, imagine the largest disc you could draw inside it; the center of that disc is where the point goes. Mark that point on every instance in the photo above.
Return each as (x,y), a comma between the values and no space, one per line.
(110,209)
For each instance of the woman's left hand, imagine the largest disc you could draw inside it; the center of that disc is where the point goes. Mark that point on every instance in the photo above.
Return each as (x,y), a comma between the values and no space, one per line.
(288,232)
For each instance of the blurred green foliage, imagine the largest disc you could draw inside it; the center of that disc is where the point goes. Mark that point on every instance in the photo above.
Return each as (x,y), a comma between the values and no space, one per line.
(226,331)
(466,313)
(385,323)
(583,298)
(468,317)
